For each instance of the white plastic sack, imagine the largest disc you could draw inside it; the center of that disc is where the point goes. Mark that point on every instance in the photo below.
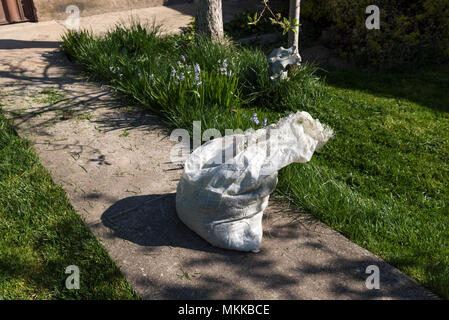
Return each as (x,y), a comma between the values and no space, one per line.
(227,181)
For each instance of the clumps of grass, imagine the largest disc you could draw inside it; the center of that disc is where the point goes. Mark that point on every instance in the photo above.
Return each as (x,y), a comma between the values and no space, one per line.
(49,96)
(185,80)
(84,116)
(124,134)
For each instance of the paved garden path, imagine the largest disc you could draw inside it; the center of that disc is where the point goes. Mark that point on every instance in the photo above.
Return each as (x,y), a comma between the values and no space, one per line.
(113,162)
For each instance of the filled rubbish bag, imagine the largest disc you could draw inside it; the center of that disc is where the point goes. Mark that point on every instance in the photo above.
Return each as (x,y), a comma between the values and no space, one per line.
(227,182)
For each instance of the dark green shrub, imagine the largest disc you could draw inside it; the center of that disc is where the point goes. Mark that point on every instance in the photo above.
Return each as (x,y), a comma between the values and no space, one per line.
(411,32)
(239,27)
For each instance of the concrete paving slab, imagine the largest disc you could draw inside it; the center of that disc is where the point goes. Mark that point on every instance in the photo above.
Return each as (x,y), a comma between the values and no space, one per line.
(123,186)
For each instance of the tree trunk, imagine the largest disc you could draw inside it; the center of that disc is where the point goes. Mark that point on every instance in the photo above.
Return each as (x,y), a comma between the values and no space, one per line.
(293,38)
(209,19)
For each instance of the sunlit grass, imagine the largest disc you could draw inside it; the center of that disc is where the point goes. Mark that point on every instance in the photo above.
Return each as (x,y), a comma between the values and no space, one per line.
(383,180)
(41,234)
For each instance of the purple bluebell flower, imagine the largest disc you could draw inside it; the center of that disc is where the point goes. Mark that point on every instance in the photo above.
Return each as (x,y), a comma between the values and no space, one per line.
(197,68)
(152,78)
(254,119)
(224,67)
(265,122)
(183,58)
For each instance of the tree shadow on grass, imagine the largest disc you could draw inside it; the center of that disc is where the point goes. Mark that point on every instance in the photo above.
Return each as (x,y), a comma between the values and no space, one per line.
(428,88)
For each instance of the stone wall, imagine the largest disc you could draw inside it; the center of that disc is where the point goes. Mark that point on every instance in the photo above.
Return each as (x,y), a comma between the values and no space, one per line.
(55,9)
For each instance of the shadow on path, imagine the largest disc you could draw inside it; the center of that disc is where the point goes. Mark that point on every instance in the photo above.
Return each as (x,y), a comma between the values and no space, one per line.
(11,44)
(299,259)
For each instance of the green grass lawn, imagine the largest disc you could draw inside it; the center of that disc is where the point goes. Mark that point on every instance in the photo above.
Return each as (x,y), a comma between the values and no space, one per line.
(383,180)
(41,234)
